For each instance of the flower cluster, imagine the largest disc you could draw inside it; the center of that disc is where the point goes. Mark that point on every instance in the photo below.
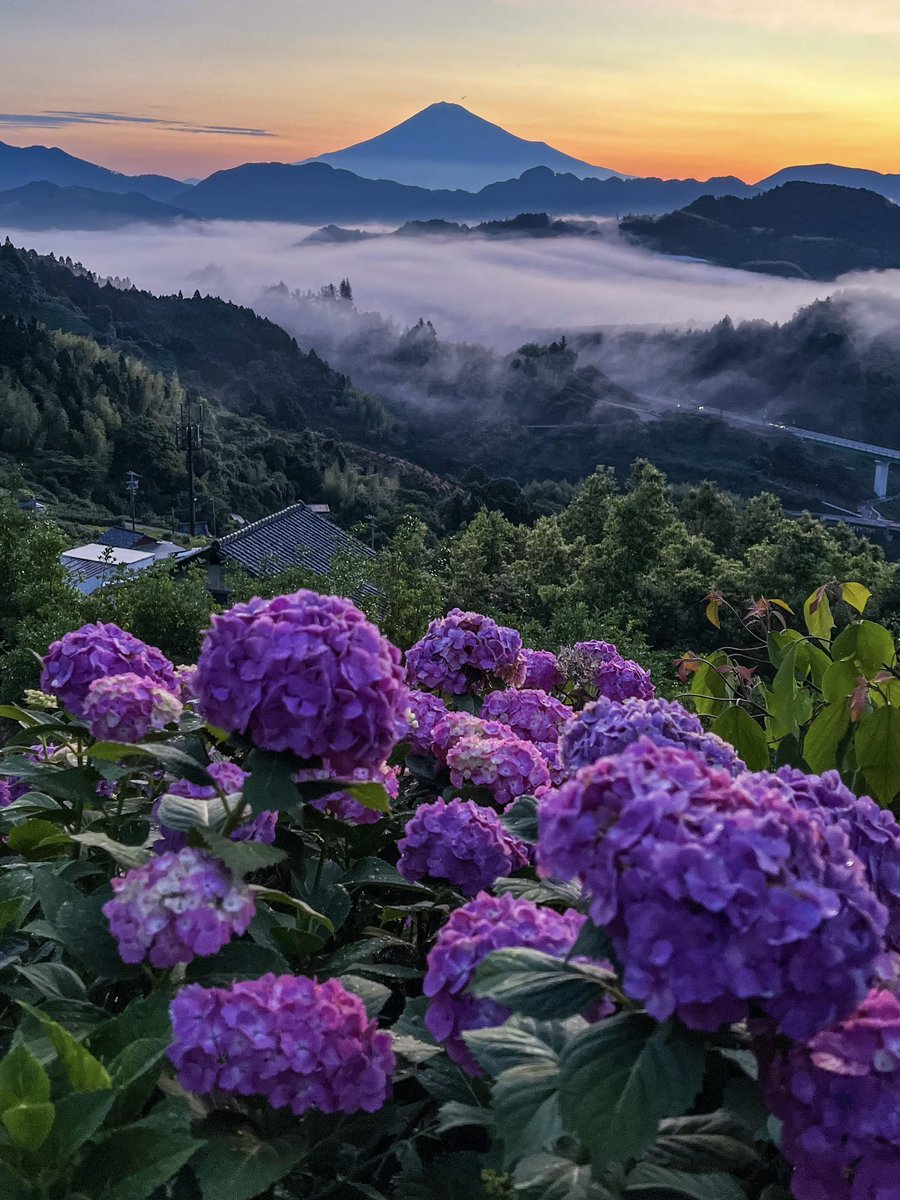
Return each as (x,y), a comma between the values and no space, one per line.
(187,683)
(72,664)
(462,842)
(424,712)
(484,924)
(838,1097)
(598,667)
(607,726)
(458,725)
(177,907)
(305,673)
(343,805)
(509,767)
(542,670)
(579,663)
(297,1043)
(465,652)
(716,898)
(530,713)
(124,708)
(873,832)
(230,779)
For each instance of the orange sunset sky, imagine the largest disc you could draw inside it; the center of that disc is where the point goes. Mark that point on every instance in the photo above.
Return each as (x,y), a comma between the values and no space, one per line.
(663,87)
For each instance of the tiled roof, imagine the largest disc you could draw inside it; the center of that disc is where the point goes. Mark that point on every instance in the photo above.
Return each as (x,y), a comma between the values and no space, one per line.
(125,539)
(295,536)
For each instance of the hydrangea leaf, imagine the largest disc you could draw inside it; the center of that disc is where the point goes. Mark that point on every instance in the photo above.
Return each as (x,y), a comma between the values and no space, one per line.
(621,1077)
(526,1108)
(540,985)
(25,1108)
(649,1181)
(271,783)
(86,1073)
(241,1164)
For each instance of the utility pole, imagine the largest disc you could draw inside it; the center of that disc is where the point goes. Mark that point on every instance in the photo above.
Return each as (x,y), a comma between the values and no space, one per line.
(132,486)
(189,437)
(371,520)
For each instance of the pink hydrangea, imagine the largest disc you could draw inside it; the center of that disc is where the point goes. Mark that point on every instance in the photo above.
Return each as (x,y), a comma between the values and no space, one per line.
(72,664)
(305,673)
(297,1043)
(126,707)
(458,725)
(177,907)
(509,767)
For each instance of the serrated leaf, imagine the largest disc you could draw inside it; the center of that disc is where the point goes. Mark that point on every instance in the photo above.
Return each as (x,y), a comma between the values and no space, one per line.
(25,1108)
(131,1162)
(78,1117)
(54,981)
(242,858)
(237,960)
(519,1042)
(125,856)
(710,1142)
(85,1073)
(540,985)
(177,762)
(550,1177)
(274,896)
(190,812)
(457,1115)
(241,1165)
(38,840)
(373,995)
(375,872)
(648,1181)
(621,1077)
(411,1048)
(521,819)
(526,1109)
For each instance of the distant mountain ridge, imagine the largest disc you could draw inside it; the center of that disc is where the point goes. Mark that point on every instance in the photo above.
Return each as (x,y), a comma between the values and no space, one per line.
(44,205)
(812,230)
(447,146)
(20,165)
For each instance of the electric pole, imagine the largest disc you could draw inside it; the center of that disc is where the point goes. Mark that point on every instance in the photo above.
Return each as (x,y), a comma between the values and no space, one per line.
(132,486)
(189,437)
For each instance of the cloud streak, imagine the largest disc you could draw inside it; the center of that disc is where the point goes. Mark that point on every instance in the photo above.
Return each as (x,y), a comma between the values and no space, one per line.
(53,118)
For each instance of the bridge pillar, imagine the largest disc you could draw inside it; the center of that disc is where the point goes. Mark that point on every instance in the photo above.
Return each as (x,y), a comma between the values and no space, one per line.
(881,479)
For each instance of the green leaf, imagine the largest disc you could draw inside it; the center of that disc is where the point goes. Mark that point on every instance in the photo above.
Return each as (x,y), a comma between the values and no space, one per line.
(621,1077)
(191,812)
(54,981)
(178,763)
(877,740)
(13,1186)
(519,1042)
(526,1109)
(648,1181)
(237,960)
(782,697)
(131,1162)
(241,1164)
(373,995)
(274,896)
(817,611)
(716,1141)
(825,734)
(135,1074)
(78,1117)
(242,858)
(747,736)
(25,1108)
(11,712)
(869,645)
(370,795)
(709,690)
(540,985)
(10,912)
(82,928)
(37,840)
(374,872)
(857,595)
(85,1073)
(550,1177)
(123,856)
(271,783)
(521,819)
(457,1115)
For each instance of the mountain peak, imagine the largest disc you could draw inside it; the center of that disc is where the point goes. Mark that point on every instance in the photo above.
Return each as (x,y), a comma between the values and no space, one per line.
(445,145)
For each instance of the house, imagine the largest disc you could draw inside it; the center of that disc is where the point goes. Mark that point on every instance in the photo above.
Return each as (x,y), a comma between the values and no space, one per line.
(115,552)
(297,536)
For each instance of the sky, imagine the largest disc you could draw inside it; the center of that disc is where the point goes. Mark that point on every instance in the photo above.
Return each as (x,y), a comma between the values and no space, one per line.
(661,87)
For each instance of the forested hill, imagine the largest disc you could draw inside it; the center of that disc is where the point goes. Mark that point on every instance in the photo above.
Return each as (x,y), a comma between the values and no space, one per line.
(228,352)
(800,229)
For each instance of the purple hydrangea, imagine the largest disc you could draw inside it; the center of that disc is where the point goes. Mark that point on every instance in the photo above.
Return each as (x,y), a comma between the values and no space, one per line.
(13,787)
(719,900)
(873,832)
(458,725)
(509,767)
(425,711)
(838,1097)
(187,683)
(230,779)
(542,670)
(177,907)
(305,673)
(580,663)
(465,652)
(462,842)
(344,806)
(622,679)
(126,707)
(484,924)
(73,663)
(297,1043)
(530,713)
(607,726)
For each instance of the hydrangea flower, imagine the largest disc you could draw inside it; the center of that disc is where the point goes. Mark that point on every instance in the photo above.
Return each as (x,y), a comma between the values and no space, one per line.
(305,673)
(344,806)
(177,907)
(187,683)
(124,708)
(718,899)
(580,663)
(425,711)
(838,1097)
(530,713)
(873,832)
(297,1043)
(484,924)
(464,652)
(542,670)
(510,767)
(458,725)
(607,726)
(462,842)
(230,779)
(622,678)
(72,664)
